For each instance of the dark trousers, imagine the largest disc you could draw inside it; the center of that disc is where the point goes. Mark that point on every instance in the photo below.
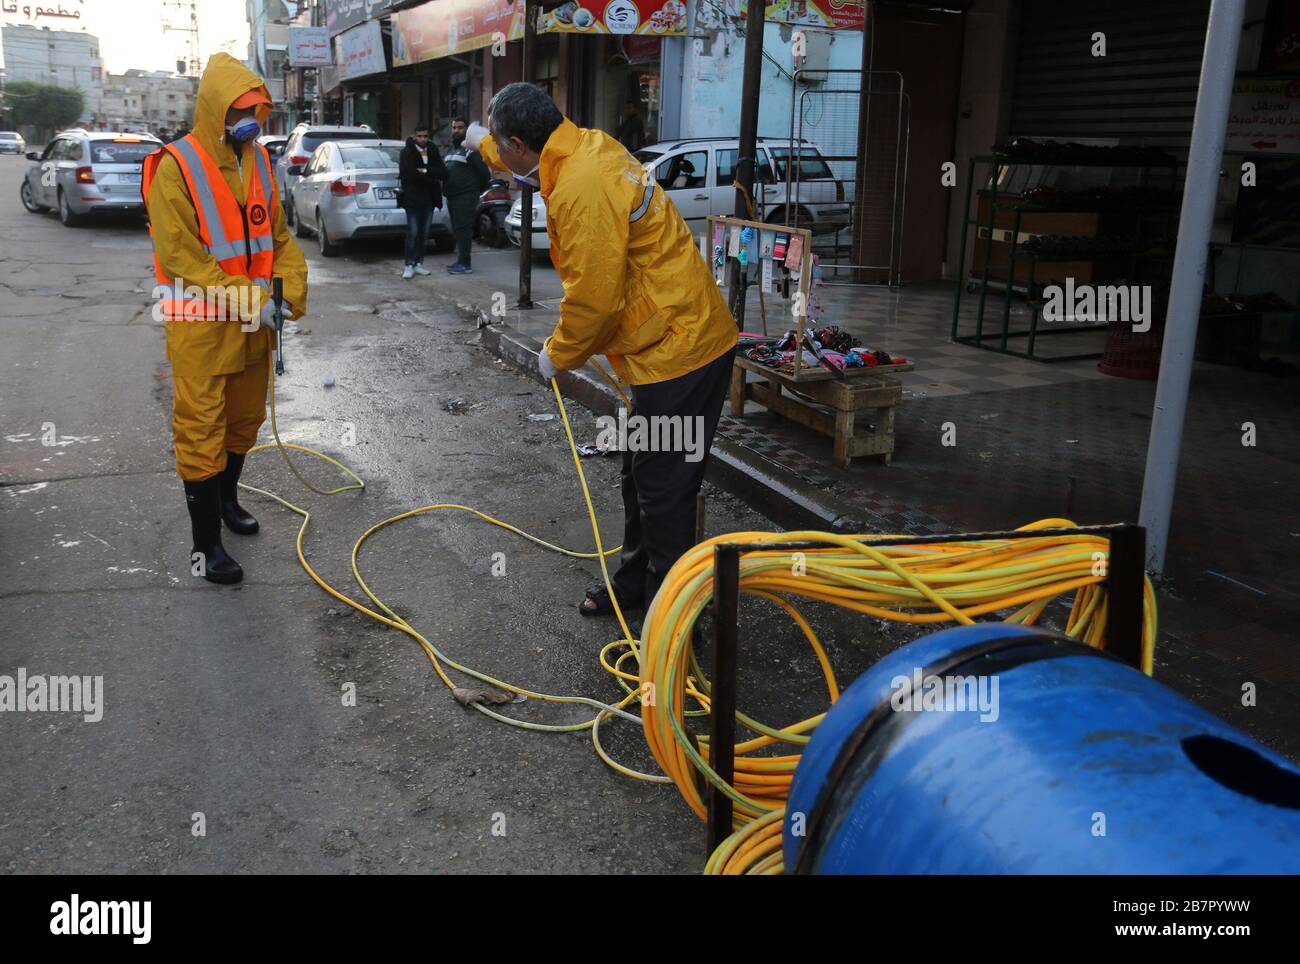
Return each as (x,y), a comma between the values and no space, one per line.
(463,208)
(417,232)
(659,488)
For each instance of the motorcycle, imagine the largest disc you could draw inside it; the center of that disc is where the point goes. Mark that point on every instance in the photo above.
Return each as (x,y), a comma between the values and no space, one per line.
(489,219)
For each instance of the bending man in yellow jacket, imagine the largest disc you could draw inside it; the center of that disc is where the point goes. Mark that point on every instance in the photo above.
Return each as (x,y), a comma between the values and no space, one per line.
(637,290)
(219,241)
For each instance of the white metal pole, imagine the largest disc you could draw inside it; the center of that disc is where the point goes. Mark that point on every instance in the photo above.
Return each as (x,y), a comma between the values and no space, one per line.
(1200,188)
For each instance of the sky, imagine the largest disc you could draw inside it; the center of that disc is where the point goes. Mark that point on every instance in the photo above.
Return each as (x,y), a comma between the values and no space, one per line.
(131,32)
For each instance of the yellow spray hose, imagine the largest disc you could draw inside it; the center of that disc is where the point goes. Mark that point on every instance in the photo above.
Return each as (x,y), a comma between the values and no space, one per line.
(935,583)
(387,616)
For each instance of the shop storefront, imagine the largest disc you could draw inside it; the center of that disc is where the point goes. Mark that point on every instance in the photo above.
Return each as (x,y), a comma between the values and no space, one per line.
(445,54)
(610,63)
(362,61)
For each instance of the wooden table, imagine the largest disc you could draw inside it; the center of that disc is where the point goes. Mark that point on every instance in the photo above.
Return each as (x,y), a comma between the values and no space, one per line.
(862,392)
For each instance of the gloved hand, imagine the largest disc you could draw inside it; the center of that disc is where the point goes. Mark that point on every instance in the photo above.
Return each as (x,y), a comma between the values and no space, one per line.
(268,318)
(544,364)
(474,135)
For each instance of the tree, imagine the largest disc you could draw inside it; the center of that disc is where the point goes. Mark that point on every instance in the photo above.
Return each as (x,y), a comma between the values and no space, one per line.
(43,105)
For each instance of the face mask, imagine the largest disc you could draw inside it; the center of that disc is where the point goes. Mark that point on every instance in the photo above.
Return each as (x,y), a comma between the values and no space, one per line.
(528,178)
(244,130)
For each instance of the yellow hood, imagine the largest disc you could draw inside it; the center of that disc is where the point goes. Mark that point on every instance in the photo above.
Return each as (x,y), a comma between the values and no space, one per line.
(224,80)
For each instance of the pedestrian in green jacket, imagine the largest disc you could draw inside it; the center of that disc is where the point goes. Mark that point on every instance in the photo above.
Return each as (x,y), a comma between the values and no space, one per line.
(467,178)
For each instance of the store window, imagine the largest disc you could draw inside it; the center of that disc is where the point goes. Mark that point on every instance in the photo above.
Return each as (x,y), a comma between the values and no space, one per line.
(547,71)
(454,101)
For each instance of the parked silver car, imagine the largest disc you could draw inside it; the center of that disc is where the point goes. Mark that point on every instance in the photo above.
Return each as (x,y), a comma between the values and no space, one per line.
(348,191)
(274,144)
(302,143)
(82,172)
(11,142)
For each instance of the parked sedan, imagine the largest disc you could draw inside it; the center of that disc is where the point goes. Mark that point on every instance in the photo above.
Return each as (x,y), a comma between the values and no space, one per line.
(348,192)
(82,173)
(298,149)
(11,142)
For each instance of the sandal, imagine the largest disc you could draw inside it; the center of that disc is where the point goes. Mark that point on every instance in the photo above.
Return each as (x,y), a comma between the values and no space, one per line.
(603,605)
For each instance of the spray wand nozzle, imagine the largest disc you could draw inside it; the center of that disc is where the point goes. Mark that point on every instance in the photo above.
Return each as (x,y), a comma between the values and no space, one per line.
(277,296)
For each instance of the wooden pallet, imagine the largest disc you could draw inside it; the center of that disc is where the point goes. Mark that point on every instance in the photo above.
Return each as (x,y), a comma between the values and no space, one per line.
(851,400)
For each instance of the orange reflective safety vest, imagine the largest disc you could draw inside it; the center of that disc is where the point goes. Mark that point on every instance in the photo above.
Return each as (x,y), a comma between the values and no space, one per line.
(238,236)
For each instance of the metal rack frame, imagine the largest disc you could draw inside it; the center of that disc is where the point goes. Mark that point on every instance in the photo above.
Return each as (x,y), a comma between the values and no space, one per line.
(999,162)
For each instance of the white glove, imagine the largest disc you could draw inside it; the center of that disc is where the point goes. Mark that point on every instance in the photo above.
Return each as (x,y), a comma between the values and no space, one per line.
(267,317)
(545,366)
(474,135)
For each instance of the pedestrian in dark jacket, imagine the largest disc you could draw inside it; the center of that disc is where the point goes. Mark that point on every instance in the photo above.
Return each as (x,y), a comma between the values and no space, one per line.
(467,177)
(421,171)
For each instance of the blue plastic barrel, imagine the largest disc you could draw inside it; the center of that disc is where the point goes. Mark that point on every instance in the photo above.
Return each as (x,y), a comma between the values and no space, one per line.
(1076,763)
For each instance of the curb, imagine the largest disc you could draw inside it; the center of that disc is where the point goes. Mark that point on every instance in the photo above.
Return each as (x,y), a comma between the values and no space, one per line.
(763,485)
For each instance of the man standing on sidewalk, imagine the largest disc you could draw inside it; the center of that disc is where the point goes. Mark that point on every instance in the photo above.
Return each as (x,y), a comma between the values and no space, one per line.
(467,177)
(219,241)
(637,290)
(421,170)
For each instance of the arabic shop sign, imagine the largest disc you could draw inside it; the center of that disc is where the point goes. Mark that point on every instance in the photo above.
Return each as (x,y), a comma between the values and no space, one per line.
(309,46)
(662,18)
(827,14)
(59,15)
(342,14)
(1264,117)
(452,26)
(361,51)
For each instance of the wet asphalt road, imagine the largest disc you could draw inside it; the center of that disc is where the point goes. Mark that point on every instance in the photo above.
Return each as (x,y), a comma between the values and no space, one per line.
(229,702)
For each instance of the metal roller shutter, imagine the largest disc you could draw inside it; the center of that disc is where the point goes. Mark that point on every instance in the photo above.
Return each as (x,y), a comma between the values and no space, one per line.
(1142,92)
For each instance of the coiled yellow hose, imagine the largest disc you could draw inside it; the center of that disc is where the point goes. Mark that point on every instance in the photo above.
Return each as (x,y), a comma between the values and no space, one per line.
(913,583)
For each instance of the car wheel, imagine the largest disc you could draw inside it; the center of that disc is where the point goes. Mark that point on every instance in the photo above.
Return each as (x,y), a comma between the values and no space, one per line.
(299,229)
(486,229)
(69,217)
(29,199)
(288,215)
(328,248)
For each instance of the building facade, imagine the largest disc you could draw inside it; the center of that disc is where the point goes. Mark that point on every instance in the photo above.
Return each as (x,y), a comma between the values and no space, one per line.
(63,58)
(149,100)
(268,37)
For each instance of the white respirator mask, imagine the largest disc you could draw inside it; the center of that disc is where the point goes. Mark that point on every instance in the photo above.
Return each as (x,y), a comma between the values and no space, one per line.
(528,178)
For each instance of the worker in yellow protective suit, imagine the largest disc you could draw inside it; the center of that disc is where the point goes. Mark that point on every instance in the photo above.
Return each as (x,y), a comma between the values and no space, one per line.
(637,290)
(219,241)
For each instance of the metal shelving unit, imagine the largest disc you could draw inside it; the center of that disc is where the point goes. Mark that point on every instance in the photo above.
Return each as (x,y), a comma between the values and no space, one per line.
(998,340)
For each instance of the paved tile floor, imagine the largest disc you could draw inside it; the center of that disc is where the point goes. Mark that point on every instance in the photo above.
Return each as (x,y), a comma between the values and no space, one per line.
(1036,440)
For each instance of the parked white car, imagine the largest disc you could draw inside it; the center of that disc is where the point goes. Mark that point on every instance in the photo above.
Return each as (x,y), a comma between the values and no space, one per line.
(348,191)
(696,175)
(11,142)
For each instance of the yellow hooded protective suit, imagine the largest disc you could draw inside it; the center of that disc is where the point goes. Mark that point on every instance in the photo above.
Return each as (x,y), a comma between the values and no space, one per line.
(219,372)
(636,288)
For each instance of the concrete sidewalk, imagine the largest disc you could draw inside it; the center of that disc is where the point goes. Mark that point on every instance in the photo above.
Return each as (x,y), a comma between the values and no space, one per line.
(1033,441)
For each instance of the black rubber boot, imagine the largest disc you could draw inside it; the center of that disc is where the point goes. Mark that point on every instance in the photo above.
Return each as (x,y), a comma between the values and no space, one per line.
(203,499)
(232,513)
